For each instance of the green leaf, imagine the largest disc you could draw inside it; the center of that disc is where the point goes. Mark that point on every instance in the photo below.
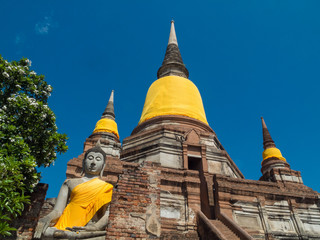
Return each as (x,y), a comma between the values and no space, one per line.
(28,138)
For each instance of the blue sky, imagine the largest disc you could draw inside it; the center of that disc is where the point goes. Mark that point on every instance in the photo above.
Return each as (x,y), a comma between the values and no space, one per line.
(248,59)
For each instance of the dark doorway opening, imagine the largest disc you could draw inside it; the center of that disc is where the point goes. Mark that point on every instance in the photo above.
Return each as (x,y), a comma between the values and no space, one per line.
(195,163)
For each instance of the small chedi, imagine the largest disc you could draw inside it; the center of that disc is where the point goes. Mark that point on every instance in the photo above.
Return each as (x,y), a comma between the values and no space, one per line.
(172,179)
(88,195)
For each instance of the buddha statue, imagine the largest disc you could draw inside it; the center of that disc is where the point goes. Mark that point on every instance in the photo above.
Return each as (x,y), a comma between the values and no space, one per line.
(85,216)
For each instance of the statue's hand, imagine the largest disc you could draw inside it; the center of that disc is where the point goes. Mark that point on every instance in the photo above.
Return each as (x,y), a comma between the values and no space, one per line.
(88,228)
(42,226)
(61,234)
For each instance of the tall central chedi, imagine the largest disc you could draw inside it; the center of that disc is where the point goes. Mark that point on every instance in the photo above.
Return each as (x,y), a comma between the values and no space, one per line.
(173,93)
(173,129)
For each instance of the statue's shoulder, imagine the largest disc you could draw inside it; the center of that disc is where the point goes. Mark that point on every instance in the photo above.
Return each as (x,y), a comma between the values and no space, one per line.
(73,182)
(104,183)
(109,185)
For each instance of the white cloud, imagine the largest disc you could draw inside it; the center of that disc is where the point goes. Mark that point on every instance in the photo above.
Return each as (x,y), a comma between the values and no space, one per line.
(19,39)
(43,26)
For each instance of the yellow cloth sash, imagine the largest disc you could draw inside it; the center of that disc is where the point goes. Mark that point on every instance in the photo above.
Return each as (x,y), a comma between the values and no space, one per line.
(106,125)
(272,152)
(173,95)
(85,200)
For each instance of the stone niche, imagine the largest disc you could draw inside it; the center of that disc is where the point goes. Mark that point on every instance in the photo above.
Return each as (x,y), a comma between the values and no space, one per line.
(248,217)
(280,223)
(279,217)
(172,206)
(248,221)
(310,219)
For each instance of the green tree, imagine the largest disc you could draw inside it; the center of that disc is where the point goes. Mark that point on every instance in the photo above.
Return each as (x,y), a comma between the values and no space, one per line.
(28,136)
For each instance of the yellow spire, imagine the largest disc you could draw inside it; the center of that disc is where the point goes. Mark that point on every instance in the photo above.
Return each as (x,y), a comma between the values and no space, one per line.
(270,150)
(107,122)
(173,95)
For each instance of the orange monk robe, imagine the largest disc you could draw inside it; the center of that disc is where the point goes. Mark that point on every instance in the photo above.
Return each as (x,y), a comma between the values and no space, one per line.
(85,200)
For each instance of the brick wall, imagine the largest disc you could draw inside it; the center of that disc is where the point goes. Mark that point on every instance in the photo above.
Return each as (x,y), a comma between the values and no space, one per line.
(27,222)
(134,211)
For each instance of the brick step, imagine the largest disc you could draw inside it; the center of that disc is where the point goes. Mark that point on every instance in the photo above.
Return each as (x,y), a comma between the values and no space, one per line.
(227,232)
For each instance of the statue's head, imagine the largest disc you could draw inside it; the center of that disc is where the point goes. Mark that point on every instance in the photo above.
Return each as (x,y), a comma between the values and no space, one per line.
(94,161)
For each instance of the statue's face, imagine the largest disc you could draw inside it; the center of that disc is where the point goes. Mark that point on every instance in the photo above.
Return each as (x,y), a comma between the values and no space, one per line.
(94,163)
